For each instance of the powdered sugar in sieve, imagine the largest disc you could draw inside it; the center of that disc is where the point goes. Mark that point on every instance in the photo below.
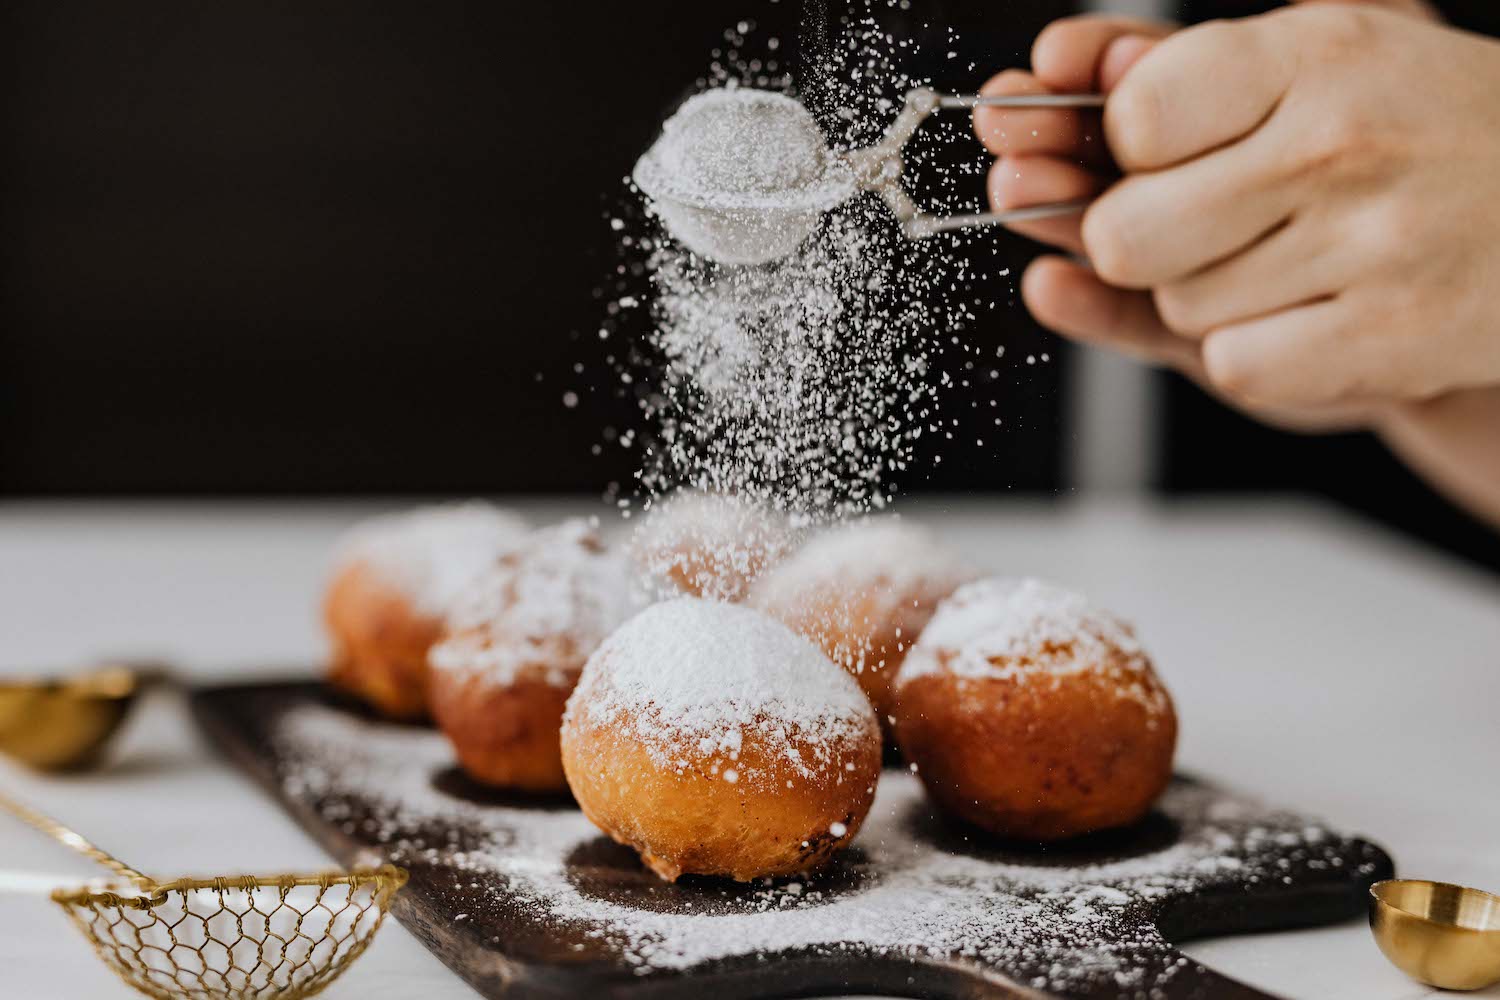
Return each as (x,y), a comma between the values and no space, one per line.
(742,176)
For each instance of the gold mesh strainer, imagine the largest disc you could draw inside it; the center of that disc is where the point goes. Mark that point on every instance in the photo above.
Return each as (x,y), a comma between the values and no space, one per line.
(229,938)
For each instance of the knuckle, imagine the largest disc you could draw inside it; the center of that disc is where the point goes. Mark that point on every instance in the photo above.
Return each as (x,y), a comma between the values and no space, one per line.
(1231,370)
(1219,34)
(1010,81)
(1180,310)
(1334,387)
(1134,124)
(1334,31)
(996,183)
(992,125)
(1347,380)
(1139,116)
(1060,37)
(1329,129)
(1423,385)
(1335,132)
(1106,238)
(1389,227)
(1342,144)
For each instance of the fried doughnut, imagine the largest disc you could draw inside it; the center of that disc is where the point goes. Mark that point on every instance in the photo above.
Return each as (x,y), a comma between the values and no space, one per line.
(709,544)
(714,740)
(393,582)
(863,592)
(514,647)
(1032,714)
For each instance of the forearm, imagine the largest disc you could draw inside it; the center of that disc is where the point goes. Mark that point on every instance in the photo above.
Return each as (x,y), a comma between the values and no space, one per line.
(1454,443)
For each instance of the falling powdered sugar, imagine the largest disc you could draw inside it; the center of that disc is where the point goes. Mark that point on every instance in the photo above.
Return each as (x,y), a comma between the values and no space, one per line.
(710,545)
(804,378)
(879,561)
(789,383)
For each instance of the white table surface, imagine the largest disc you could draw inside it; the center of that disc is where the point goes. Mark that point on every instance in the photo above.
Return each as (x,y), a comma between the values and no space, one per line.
(1316,661)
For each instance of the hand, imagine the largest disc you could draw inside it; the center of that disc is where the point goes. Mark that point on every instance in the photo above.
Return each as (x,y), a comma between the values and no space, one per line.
(1311,203)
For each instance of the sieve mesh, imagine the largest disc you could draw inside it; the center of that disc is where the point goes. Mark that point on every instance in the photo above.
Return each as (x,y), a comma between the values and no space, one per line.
(245,938)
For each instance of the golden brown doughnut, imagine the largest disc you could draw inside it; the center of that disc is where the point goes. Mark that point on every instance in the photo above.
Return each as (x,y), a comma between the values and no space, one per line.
(863,592)
(515,644)
(393,582)
(714,740)
(709,544)
(1032,714)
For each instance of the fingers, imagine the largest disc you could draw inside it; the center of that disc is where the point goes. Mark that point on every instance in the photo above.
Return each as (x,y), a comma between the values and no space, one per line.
(1304,356)
(1299,263)
(1068,298)
(1018,181)
(1069,53)
(1069,57)
(1200,89)
(1362,345)
(1158,227)
(1076,134)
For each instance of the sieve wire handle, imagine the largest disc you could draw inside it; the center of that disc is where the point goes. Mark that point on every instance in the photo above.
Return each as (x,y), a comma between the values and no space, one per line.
(922,226)
(1022,101)
(882,164)
(71,838)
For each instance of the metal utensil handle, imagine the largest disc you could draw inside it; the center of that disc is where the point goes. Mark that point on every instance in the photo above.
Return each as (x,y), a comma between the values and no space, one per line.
(922,226)
(70,838)
(879,167)
(1023,101)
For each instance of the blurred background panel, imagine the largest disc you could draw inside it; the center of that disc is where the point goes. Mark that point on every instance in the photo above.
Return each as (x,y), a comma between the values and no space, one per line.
(347,247)
(264,248)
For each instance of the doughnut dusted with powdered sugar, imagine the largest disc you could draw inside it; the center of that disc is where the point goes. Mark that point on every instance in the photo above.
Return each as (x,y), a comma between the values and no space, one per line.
(713,740)
(1033,714)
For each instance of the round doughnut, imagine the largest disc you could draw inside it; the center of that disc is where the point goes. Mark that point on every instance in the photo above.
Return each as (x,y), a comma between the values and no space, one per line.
(714,740)
(709,544)
(863,592)
(1032,714)
(515,644)
(394,580)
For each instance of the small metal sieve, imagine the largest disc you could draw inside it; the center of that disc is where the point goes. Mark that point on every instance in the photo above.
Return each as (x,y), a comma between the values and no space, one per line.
(761,228)
(240,937)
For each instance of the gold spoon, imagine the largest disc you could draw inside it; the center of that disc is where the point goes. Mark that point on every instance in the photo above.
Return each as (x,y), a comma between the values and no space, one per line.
(1443,935)
(238,937)
(62,724)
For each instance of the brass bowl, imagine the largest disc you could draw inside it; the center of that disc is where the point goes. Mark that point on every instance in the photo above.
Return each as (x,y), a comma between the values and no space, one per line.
(1439,934)
(56,725)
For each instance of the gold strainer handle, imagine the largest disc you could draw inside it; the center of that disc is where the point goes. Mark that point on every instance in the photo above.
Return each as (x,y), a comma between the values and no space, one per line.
(224,938)
(73,839)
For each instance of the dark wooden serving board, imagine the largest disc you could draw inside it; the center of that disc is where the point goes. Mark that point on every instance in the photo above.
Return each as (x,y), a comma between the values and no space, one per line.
(1206,863)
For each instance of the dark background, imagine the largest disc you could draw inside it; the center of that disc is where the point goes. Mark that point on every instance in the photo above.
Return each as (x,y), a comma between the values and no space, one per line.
(285,248)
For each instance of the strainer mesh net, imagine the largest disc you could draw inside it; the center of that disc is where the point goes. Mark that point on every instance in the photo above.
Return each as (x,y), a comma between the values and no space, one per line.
(239,938)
